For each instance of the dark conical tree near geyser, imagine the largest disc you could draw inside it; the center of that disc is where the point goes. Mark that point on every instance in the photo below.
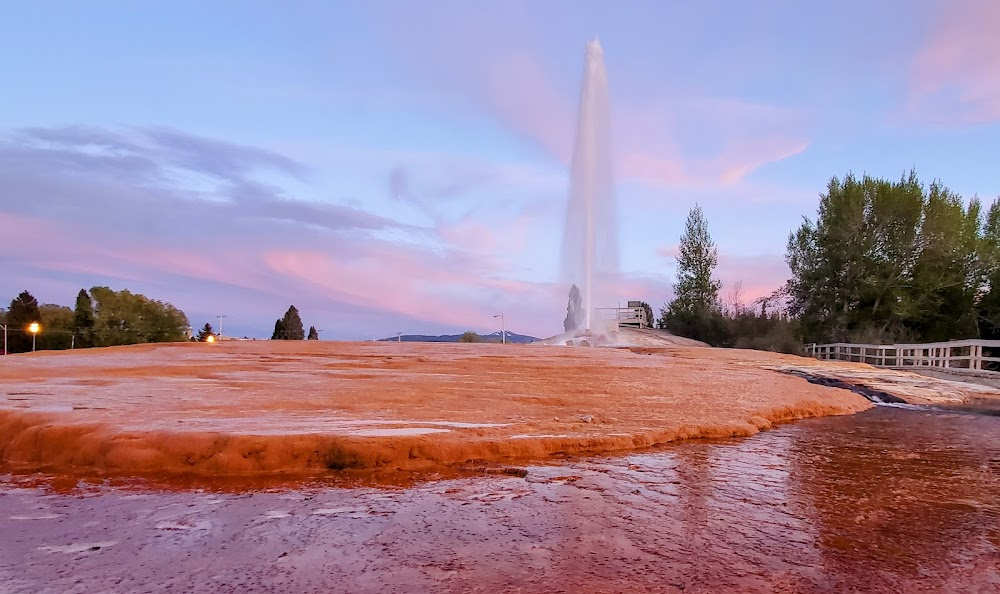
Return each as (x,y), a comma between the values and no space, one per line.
(23,311)
(293,325)
(83,320)
(205,332)
(279,330)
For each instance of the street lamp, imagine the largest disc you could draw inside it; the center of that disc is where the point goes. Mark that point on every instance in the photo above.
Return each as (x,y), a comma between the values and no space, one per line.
(210,339)
(34,328)
(503,328)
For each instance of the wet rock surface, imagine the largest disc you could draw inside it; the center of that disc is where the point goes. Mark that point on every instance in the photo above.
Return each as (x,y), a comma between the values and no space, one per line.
(888,500)
(307,406)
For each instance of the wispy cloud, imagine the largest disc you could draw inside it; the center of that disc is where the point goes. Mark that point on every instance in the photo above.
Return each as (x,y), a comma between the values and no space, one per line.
(955,77)
(675,136)
(758,274)
(128,219)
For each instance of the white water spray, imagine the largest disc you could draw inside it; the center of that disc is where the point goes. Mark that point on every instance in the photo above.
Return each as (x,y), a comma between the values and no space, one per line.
(590,240)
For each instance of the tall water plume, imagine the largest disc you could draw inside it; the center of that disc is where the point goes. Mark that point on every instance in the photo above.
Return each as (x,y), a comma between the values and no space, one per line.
(590,240)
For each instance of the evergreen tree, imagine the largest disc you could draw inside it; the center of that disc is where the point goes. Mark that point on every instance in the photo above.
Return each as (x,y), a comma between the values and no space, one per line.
(22,313)
(313,334)
(575,315)
(279,330)
(205,332)
(293,325)
(83,320)
(694,310)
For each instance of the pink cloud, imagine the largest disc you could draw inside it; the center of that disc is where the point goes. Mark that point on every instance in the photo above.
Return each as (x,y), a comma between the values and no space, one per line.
(393,279)
(453,288)
(670,136)
(669,251)
(955,77)
(741,137)
(759,274)
(522,94)
(650,142)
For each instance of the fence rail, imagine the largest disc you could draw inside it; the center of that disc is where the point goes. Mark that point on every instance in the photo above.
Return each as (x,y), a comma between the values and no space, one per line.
(978,355)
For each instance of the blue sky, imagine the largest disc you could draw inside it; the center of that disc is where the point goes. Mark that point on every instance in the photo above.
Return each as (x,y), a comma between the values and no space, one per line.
(404,166)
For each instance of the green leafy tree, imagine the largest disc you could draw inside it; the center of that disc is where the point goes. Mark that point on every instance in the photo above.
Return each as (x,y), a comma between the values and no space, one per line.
(83,320)
(57,327)
(470,336)
(279,330)
(887,262)
(988,307)
(22,312)
(940,303)
(205,332)
(121,318)
(694,311)
(313,333)
(293,325)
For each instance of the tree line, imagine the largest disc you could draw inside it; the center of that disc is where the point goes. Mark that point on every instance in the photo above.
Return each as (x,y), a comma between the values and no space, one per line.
(103,317)
(289,327)
(883,262)
(100,317)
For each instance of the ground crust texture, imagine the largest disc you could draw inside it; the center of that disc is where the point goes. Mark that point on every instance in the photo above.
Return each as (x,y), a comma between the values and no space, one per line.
(281,407)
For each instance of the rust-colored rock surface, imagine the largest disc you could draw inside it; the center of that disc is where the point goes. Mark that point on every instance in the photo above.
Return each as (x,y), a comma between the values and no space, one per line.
(264,407)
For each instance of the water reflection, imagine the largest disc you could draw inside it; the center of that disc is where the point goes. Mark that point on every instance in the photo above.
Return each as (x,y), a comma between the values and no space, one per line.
(884,501)
(900,493)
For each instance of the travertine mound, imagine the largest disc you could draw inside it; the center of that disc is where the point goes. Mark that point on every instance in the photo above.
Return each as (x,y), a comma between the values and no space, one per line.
(622,337)
(263,407)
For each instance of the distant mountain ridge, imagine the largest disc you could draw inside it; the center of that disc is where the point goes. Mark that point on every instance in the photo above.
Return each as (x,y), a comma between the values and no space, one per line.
(512,337)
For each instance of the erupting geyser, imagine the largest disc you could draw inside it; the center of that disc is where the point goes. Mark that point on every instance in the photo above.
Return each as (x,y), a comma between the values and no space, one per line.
(590,241)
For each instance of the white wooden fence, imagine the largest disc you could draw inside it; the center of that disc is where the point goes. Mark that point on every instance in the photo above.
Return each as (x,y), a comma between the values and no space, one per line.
(980,355)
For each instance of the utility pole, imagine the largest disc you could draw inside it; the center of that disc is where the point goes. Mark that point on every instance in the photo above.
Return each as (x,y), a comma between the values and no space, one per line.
(220,316)
(399,337)
(4,338)
(503,328)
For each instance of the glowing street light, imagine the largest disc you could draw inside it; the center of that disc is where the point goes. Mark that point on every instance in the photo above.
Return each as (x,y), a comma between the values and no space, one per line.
(210,339)
(34,328)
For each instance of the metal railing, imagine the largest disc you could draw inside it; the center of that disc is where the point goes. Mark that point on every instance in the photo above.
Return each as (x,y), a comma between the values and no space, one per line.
(972,354)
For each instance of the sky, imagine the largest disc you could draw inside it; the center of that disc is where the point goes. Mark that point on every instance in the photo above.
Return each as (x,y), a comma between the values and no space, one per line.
(397,166)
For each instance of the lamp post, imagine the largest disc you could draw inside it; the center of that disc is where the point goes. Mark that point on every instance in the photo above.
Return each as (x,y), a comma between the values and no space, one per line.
(4,338)
(34,328)
(399,337)
(503,328)
(221,317)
